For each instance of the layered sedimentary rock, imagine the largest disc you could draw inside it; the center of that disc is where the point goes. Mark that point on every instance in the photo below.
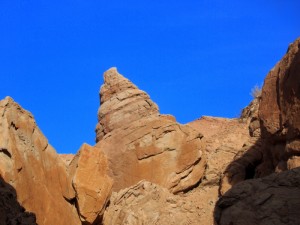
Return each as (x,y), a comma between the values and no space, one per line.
(273,199)
(11,212)
(141,144)
(148,203)
(32,167)
(91,183)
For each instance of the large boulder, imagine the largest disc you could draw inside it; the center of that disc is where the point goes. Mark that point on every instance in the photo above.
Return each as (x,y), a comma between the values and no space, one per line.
(91,183)
(30,165)
(273,199)
(142,144)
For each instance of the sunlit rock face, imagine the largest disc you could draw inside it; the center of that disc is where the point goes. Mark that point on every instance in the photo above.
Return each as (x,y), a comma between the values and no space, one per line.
(33,168)
(92,185)
(142,144)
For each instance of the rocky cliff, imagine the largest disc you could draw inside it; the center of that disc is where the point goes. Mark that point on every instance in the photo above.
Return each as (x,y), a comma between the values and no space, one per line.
(146,168)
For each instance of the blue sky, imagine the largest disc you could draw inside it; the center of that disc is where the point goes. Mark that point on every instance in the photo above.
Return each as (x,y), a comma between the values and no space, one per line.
(193,57)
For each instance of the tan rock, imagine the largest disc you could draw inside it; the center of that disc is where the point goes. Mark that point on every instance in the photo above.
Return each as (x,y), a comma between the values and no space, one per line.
(141,144)
(225,139)
(121,104)
(273,199)
(33,168)
(67,158)
(91,183)
(148,203)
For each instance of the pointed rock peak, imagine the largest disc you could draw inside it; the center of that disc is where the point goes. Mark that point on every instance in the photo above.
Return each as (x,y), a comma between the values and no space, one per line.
(7,101)
(121,103)
(112,76)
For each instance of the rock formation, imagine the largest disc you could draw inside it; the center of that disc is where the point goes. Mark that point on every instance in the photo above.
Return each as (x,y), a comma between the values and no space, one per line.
(11,212)
(274,199)
(279,111)
(210,171)
(33,168)
(91,183)
(148,203)
(141,144)
(270,200)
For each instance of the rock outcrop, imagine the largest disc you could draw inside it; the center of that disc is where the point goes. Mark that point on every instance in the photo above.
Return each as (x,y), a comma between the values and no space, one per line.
(273,199)
(33,168)
(148,203)
(91,183)
(141,144)
(268,199)
(11,212)
(224,138)
(279,112)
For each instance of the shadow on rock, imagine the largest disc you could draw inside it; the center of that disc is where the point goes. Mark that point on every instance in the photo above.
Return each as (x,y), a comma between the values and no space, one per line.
(11,212)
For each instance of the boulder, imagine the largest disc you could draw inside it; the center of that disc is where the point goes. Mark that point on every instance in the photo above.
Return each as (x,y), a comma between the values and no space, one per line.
(33,168)
(91,183)
(142,144)
(273,199)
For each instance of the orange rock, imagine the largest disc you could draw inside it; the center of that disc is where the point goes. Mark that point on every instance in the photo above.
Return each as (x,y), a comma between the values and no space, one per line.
(141,144)
(91,183)
(67,158)
(33,168)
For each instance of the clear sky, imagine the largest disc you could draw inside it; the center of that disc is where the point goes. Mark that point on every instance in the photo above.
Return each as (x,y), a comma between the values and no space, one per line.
(193,57)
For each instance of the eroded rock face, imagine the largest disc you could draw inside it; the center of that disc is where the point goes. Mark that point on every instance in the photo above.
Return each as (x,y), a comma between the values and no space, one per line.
(92,185)
(148,203)
(225,139)
(11,212)
(67,158)
(273,199)
(141,144)
(279,111)
(32,167)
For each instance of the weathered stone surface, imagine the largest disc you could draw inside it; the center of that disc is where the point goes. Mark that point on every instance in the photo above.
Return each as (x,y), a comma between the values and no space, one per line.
(250,116)
(279,112)
(11,212)
(141,144)
(91,183)
(280,103)
(224,138)
(67,158)
(32,167)
(121,104)
(148,203)
(273,199)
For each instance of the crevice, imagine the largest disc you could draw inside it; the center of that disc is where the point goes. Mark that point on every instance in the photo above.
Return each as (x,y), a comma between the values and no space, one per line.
(12,124)
(278,97)
(159,153)
(5,151)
